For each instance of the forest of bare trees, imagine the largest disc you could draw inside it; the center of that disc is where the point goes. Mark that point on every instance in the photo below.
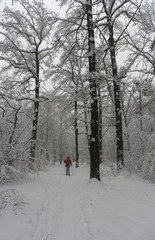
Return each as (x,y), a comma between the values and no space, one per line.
(80,85)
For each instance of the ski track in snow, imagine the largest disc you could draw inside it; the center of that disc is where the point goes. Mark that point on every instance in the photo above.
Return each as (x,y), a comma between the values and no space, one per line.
(59,217)
(44,220)
(73,208)
(43,224)
(72,223)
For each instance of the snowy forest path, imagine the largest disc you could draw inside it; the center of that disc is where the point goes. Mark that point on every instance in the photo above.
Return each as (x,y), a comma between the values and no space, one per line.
(76,208)
(60,215)
(73,224)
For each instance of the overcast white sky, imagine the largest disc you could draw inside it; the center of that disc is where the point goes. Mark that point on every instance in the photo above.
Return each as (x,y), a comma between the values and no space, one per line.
(52,4)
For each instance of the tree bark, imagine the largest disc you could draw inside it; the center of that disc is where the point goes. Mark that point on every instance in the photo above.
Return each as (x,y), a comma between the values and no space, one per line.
(100,127)
(76,134)
(36,115)
(94,139)
(118,114)
(60,156)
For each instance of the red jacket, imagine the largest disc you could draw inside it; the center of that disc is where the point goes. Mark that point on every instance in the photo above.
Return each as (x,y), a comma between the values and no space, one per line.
(68,162)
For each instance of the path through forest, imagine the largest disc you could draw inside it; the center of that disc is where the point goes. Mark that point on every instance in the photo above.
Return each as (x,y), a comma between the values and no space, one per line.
(73,208)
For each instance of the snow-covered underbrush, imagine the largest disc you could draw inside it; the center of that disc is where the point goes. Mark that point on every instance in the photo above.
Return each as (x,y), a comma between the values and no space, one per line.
(10,173)
(11,199)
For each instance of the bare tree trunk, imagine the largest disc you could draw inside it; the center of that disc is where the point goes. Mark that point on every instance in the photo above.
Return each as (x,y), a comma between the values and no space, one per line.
(100,126)
(9,159)
(54,143)
(34,133)
(76,134)
(141,115)
(36,115)
(54,152)
(47,135)
(60,156)
(14,126)
(94,140)
(118,114)
(86,123)
(140,108)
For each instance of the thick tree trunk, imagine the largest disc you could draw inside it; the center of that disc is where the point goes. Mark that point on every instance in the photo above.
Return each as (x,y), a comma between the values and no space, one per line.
(34,129)
(35,116)
(140,109)
(118,113)
(100,127)
(76,135)
(47,135)
(94,139)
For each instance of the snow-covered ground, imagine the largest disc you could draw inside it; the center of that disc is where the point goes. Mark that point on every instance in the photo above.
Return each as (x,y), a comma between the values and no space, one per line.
(52,206)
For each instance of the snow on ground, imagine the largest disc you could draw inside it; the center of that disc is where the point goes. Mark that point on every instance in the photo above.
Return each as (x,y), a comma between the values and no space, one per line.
(56,207)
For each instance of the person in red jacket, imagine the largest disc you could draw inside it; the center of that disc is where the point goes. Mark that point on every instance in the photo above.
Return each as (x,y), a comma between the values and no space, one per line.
(68,163)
